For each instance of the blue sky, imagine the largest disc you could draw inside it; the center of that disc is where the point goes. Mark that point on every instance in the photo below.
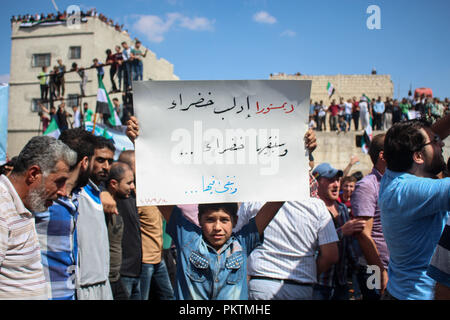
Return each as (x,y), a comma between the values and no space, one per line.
(249,39)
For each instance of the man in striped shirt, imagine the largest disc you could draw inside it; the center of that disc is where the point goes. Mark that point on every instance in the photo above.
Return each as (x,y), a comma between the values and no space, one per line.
(38,178)
(56,226)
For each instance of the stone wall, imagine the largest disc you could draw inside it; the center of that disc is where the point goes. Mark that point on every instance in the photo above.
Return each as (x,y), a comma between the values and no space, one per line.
(346,86)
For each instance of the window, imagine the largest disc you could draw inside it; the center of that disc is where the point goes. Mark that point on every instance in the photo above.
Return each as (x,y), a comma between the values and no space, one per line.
(35,105)
(41,60)
(75,53)
(72,100)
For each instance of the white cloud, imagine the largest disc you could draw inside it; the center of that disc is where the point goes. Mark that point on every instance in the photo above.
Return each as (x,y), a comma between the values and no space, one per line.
(4,78)
(197,24)
(264,17)
(155,27)
(288,33)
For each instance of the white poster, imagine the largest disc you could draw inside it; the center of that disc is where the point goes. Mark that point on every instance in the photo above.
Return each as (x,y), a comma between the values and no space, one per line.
(221,141)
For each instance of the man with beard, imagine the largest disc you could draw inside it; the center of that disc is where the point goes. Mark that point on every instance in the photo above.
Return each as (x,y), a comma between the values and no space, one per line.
(56,226)
(93,244)
(414,205)
(38,178)
(365,206)
(332,284)
(120,184)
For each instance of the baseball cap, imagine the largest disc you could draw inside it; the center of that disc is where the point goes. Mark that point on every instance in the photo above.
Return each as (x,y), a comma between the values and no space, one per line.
(326,170)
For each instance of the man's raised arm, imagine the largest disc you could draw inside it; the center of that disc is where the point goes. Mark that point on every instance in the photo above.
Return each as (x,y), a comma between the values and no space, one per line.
(266,214)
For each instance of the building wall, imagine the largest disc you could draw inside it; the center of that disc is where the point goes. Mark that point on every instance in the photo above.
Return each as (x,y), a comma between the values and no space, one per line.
(346,86)
(94,37)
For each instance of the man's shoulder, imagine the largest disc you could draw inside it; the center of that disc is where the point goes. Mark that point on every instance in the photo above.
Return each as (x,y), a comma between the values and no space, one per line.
(312,207)
(368,180)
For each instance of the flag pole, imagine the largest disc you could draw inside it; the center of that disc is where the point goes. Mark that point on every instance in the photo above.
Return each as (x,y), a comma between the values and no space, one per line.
(95,121)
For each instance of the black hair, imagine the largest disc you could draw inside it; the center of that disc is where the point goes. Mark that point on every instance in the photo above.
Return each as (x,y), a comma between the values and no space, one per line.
(376,146)
(358,175)
(230,208)
(79,140)
(102,142)
(401,141)
(117,171)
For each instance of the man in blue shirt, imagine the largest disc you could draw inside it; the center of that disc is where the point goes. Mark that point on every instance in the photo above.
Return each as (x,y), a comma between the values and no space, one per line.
(56,227)
(414,206)
(378,113)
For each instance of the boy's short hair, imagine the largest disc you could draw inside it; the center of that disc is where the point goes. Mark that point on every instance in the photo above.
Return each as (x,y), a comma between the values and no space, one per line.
(230,208)
(348,179)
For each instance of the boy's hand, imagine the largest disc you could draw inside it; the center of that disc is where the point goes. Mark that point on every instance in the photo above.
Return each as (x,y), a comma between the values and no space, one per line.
(310,140)
(132,128)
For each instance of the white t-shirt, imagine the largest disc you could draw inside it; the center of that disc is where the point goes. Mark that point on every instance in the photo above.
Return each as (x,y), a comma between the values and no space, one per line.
(291,240)
(348,107)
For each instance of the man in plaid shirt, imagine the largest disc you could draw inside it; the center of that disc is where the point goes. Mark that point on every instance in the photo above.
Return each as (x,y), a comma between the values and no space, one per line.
(56,227)
(332,285)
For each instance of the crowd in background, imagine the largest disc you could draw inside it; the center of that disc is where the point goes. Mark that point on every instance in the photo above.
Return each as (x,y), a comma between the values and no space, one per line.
(354,113)
(63,16)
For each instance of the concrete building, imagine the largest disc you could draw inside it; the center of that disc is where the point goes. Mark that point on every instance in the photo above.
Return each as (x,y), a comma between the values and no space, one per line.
(346,86)
(43,44)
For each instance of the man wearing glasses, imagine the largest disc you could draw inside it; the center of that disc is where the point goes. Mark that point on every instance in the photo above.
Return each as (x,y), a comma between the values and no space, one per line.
(414,205)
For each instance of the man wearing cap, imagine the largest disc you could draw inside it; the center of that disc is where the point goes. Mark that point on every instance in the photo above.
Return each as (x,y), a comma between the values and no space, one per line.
(332,285)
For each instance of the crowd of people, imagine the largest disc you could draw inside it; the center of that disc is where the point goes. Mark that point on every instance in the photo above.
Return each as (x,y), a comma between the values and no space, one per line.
(356,113)
(63,16)
(70,228)
(125,65)
(80,116)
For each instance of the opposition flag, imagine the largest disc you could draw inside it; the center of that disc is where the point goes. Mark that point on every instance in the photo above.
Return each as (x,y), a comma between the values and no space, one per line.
(330,89)
(105,106)
(52,129)
(117,135)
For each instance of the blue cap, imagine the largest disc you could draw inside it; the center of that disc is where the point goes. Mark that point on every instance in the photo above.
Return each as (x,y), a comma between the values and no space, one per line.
(326,170)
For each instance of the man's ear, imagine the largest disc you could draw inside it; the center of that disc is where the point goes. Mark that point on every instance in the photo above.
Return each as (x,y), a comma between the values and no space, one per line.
(33,174)
(113,184)
(85,163)
(418,157)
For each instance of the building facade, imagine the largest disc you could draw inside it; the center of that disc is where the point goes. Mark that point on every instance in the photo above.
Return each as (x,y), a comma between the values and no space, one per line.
(43,44)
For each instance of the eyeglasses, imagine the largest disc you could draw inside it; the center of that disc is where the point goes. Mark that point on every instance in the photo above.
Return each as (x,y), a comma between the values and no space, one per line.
(436,139)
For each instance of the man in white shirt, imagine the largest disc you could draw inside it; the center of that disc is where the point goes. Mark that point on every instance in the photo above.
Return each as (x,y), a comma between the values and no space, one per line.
(38,178)
(348,106)
(286,265)
(127,63)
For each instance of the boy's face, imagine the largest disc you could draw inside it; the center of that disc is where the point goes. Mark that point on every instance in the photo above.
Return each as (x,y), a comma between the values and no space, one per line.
(217,227)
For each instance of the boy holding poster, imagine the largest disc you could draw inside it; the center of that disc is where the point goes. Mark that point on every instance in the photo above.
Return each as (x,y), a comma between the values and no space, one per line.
(211,260)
